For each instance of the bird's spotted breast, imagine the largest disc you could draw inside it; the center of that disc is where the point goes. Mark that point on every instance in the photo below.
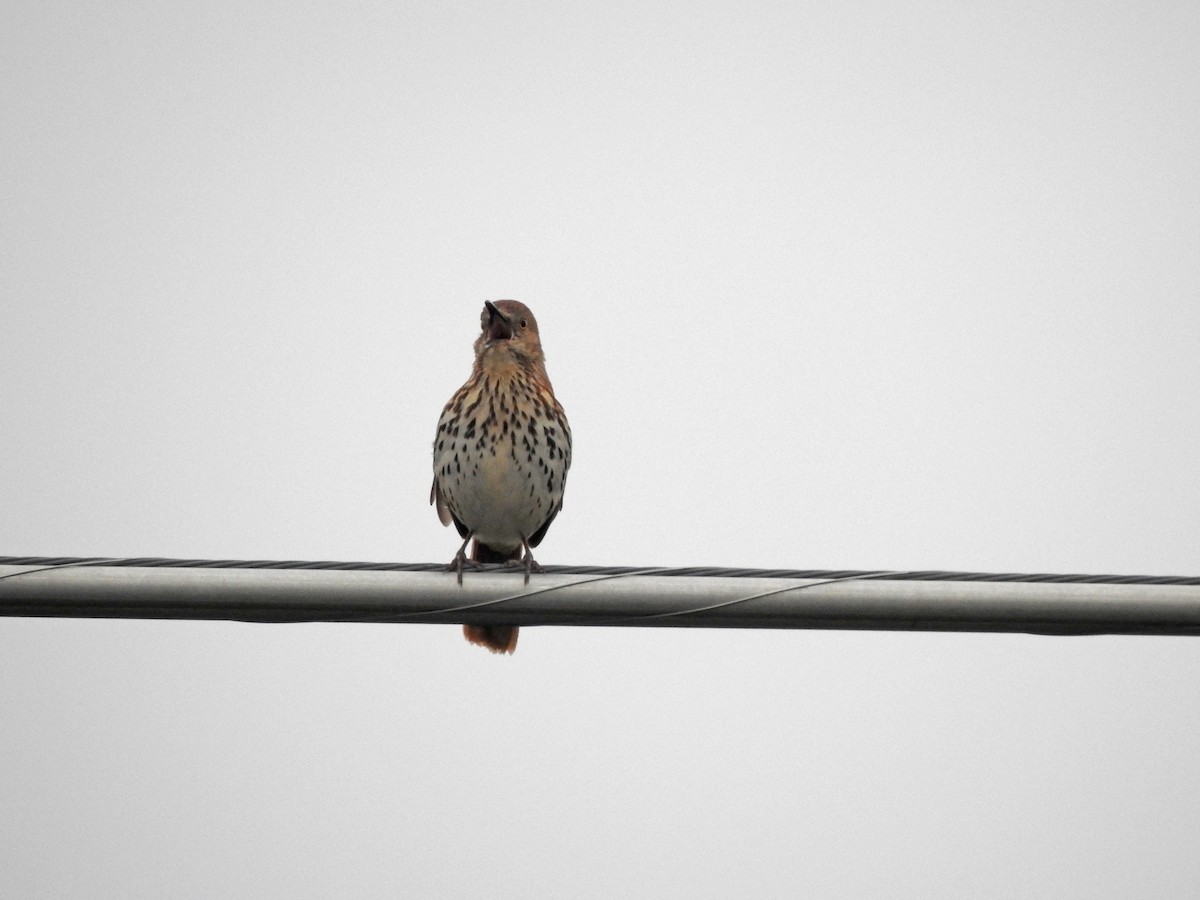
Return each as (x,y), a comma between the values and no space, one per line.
(504,479)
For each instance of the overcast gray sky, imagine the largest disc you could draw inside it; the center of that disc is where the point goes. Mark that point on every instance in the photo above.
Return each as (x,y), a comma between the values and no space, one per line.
(820,286)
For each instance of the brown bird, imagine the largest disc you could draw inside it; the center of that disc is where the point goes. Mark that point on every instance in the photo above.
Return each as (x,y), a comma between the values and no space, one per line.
(501,454)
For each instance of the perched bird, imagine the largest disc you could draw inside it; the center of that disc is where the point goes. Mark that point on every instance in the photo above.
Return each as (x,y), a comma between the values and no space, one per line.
(501,454)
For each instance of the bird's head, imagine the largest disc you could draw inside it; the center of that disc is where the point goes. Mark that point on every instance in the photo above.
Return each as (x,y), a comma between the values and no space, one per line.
(509,330)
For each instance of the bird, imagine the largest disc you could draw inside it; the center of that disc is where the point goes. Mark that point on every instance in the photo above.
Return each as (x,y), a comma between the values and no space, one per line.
(501,454)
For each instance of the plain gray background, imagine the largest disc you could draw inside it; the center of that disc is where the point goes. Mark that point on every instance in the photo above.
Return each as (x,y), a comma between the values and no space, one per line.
(837,285)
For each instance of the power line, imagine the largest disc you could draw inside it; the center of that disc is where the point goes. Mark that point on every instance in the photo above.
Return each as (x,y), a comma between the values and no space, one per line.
(299,591)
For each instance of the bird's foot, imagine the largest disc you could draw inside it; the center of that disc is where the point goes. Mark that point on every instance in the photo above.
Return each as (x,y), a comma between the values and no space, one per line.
(528,563)
(461,562)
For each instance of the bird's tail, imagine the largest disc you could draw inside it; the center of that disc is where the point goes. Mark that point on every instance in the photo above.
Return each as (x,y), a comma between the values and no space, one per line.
(497,638)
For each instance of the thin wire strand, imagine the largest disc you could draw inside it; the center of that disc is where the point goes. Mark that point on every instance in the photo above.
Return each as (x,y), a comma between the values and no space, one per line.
(99,561)
(738,600)
(44,563)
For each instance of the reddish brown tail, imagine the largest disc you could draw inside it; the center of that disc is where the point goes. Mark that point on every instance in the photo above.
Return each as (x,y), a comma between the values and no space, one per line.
(497,638)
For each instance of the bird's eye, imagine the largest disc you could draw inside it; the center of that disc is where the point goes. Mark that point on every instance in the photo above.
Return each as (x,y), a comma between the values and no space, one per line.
(523,323)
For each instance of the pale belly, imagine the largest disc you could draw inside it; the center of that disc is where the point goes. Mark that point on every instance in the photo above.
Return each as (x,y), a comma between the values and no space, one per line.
(499,495)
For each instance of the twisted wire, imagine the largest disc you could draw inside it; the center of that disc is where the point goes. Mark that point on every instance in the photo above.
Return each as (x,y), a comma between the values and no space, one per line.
(51,562)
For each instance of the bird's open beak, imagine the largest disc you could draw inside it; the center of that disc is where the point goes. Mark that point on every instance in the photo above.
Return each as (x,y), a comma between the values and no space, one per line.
(499,328)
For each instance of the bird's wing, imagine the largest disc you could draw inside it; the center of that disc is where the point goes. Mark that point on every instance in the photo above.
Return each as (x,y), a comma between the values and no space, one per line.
(443,511)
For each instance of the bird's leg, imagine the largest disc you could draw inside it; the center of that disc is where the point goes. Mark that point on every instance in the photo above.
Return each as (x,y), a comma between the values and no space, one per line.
(460,560)
(527,562)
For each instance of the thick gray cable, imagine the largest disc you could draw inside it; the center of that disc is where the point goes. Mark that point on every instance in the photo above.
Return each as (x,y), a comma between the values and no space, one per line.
(294,591)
